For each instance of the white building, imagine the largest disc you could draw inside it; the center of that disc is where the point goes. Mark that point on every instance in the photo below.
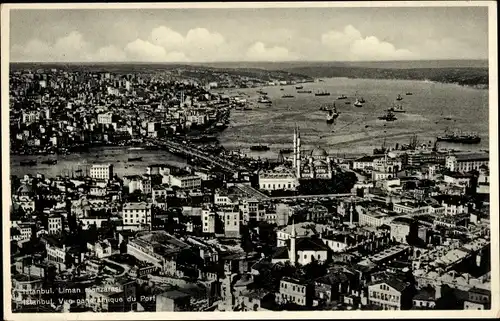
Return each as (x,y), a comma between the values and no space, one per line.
(55,224)
(101,171)
(208,221)
(137,214)
(280,178)
(467,162)
(185,181)
(105,118)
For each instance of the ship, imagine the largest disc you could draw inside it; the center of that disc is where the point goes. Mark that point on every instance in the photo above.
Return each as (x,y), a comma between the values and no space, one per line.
(136,148)
(287,96)
(397,109)
(286,150)
(389,116)
(409,93)
(259,148)
(304,91)
(342,97)
(28,163)
(358,103)
(322,93)
(299,87)
(459,137)
(399,97)
(135,159)
(332,114)
(50,161)
(264,100)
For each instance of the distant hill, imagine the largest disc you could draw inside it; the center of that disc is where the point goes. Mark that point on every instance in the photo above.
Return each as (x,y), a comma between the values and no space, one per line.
(472,73)
(406,64)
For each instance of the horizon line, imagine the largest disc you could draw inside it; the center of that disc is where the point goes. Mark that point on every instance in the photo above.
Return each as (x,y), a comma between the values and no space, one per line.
(244,61)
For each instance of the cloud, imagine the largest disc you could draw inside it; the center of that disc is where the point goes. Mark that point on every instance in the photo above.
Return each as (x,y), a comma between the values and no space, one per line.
(110,53)
(259,52)
(350,44)
(71,47)
(449,47)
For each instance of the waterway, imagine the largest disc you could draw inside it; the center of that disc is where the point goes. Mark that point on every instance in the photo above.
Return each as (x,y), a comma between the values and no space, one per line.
(357,130)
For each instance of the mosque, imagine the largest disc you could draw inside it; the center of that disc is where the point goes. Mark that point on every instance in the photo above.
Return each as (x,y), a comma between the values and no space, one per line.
(315,165)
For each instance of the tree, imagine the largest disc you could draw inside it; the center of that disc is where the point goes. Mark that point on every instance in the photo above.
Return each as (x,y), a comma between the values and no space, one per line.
(123,247)
(448,299)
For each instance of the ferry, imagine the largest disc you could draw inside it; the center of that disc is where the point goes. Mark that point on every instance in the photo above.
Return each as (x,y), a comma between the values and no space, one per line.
(29,163)
(398,109)
(259,148)
(322,93)
(459,137)
(50,161)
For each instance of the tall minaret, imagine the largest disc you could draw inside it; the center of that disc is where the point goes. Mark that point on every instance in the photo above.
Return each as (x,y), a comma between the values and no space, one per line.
(293,252)
(297,162)
(295,147)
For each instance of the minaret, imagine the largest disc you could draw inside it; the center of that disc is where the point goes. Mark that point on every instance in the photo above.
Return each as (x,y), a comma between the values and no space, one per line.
(297,162)
(293,252)
(295,147)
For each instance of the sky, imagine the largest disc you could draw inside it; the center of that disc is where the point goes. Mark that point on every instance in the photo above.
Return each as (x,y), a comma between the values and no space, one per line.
(265,34)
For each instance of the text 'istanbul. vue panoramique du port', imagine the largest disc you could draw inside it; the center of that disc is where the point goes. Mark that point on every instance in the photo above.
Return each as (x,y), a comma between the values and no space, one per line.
(265,159)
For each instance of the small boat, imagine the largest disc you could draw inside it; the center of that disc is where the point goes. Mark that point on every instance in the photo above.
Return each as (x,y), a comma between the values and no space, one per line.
(259,148)
(304,91)
(299,87)
(29,163)
(287,96)
(362,100)
(347,103)
(136,148)
(50,161)
(399,97)
(358,103)
(135,159)
(342,97)
(286,150)
(389,116)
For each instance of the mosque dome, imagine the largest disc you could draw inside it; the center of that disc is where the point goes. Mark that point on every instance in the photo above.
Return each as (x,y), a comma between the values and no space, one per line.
(319,152)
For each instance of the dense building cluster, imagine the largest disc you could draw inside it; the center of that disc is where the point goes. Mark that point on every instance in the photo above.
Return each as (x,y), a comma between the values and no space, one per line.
(413,231)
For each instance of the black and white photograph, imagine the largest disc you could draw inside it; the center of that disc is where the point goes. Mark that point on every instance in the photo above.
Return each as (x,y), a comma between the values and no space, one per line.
(250,157)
